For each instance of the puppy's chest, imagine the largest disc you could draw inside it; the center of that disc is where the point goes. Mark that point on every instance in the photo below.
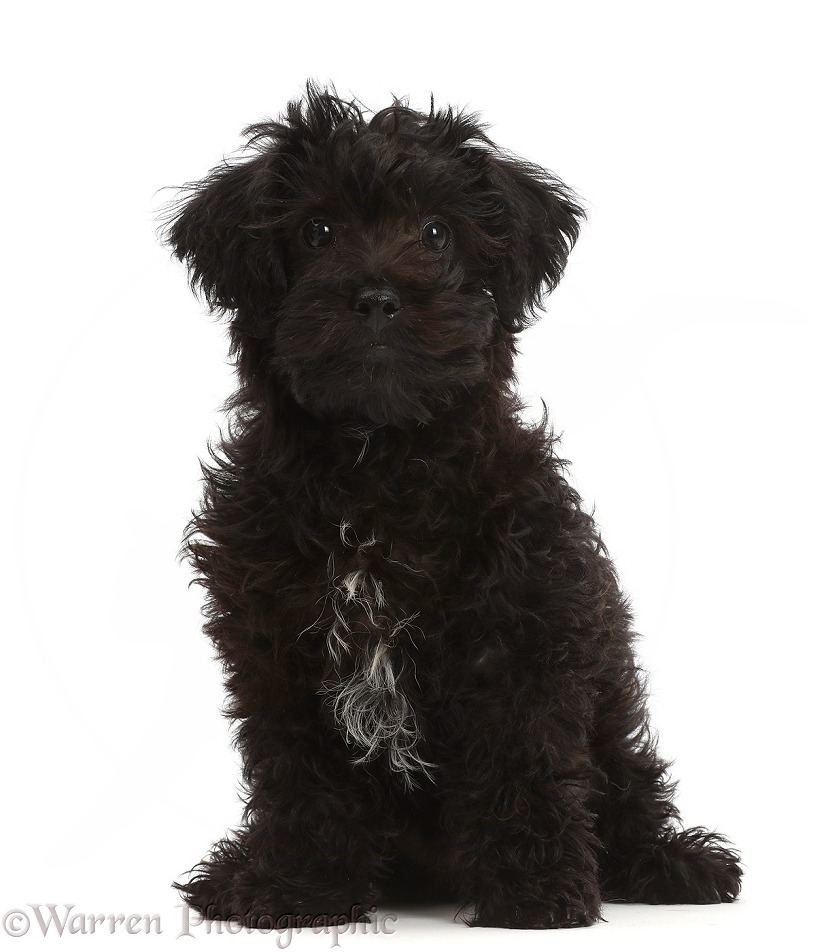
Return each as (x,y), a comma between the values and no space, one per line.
(372,588)
(371,632)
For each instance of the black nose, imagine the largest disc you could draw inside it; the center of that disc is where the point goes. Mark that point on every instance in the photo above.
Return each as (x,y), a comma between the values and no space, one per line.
(377,305)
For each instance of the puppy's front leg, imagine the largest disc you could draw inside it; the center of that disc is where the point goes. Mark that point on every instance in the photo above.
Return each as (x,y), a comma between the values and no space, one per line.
(311,842)
(524,851)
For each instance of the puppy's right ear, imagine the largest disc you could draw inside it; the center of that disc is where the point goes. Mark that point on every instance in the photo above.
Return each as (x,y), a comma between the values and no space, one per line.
(218,228)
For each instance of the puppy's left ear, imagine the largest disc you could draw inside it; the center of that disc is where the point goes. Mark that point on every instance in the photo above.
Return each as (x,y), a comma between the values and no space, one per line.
(536,225)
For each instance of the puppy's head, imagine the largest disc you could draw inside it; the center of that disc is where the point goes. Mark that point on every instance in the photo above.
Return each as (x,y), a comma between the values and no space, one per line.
(375,265)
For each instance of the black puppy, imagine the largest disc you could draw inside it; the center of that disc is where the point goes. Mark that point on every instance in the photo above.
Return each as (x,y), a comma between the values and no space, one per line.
(427,654)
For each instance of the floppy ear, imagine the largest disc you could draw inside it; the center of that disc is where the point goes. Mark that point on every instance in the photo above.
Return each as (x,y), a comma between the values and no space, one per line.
(536,226)
(218,229)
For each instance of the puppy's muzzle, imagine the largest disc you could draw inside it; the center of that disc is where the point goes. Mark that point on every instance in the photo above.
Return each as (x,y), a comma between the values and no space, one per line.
(377,306)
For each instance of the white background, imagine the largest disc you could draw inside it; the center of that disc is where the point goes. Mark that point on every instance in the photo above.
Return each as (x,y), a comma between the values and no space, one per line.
(681,360)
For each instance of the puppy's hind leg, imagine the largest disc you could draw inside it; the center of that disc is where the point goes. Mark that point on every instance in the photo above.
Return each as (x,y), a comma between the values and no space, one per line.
(647,857)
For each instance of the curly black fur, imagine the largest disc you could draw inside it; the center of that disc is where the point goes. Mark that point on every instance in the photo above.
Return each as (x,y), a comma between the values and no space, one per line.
(428,657)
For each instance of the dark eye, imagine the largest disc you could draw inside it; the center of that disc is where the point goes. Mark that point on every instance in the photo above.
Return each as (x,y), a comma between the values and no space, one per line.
(435,235)
(317,233)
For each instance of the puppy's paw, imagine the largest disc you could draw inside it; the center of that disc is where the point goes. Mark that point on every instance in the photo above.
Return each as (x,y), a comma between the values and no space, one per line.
(575,907)
(227,886)
(267,907)
(684,866)
(702,867)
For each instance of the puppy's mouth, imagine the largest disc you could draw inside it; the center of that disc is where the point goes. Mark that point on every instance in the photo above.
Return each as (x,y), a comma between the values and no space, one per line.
(380,358)
(389,367)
